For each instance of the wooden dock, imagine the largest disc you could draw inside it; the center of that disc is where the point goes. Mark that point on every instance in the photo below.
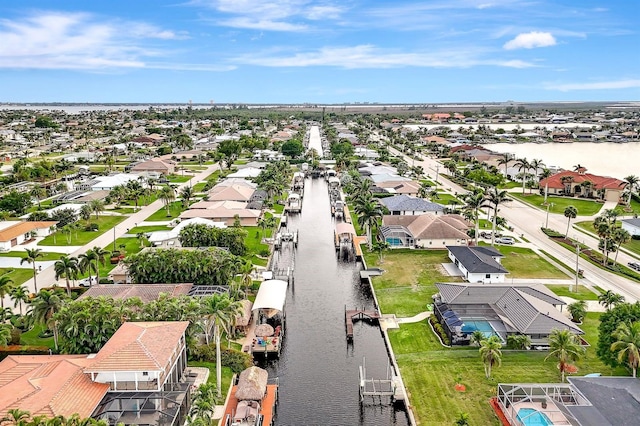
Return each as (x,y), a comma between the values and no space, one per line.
(351,315)
(267,406)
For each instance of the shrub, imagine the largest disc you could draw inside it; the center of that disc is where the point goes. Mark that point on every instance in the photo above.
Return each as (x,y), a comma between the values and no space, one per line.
(237,361)
(15,336)
(45,334)
(91,227)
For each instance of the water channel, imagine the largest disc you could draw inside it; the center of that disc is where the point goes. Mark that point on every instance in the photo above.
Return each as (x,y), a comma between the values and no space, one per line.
(318,369)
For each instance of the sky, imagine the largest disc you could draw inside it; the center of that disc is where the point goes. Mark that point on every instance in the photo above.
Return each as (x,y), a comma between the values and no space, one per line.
(334,51)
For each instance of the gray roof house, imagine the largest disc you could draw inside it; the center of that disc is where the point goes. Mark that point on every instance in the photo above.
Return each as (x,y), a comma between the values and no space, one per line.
(632,226)
(500,309)
(425,230)
(584,401)
(407,205)
(478,263)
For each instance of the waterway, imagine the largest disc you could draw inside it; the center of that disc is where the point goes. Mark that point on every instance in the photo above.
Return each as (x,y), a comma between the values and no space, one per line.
(318,369)
(606,159)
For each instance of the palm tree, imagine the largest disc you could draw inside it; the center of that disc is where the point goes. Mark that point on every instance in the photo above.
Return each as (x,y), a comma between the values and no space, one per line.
(523,164)
(462,420)
(16,416)
(476,338)
(6,284)
(218,312)
(620,236)
(31,256)
(67,267)
(570,212)
(565,347)
(86,262)
(246,269)
(369,211)
(505,159)
(5,338)
(628,344)
(42,309)
(474,202)
(97,207)
(186,193)
(167,195)
(609,299)
(536,165)
(19,294)
(630,183)
(577,310)
(490,353)
(495,197)
(38,192)
(135,190)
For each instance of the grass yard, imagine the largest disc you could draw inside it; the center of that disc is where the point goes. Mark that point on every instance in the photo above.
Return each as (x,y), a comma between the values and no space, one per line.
(585,207)
(145,229)
(178,179)
(45,256)
(583,292)
(278,208)
(17,275)
(445,198)
(82,237)
(175,208)
(431,371)
(427,182)
(255,246)
(199,187)
(510,185)
(31,338)
(525,263)
(409,280)
(227,375)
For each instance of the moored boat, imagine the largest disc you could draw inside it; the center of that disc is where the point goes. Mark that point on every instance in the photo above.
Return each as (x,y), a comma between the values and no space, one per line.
(252,401)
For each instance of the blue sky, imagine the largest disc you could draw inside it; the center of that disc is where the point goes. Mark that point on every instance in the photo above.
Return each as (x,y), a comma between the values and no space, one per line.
(264,51)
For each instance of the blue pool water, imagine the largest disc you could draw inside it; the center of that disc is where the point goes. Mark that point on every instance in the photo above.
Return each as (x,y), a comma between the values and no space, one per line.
(531,417)
(471,325)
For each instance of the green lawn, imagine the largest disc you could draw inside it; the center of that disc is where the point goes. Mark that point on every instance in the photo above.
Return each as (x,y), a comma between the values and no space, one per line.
(635,208)
(585,207)
(45,256)
(445,198)
(431,371)
(175,208)
(131,246)
(583,293)
(145,229)
(227,374)
(525,263)
(82,237)
(178,179)
(17,275)
(255,245)
(632,245)
(31,338)
(409,280)
(511,184)
(199,187)
(278,208)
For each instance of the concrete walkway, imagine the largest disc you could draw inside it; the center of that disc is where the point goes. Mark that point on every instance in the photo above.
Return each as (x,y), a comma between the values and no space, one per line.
(390,321)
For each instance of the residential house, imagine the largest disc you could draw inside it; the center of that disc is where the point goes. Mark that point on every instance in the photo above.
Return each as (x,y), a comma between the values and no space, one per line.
(632,226)
(425,231)
(13,233)
(223,211)
(145,292)
(410,187)
(581,183)
(584,401)
(406,205)
(501,310)
(240,193)
(107,183)
(155,165)
(247,172)
(170,238)
(479,264)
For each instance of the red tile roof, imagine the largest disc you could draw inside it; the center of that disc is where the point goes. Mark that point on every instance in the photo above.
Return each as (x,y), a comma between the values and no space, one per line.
(139,346)
(22,228)
(49,385)
(599,182)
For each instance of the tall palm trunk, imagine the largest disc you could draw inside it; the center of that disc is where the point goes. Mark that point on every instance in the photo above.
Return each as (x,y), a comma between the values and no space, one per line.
(35,284)
(216,332)
(68,286)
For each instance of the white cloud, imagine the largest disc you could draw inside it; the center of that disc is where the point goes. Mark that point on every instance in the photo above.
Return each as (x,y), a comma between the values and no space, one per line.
(601,85)
(368,56)
(530,40)
(261,24)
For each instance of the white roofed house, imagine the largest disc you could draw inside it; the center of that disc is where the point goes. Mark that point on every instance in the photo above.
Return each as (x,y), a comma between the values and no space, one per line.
(479,264)
(632,226)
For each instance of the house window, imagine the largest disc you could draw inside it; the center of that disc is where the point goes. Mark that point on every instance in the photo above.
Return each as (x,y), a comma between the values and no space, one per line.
(487,276)
(145,373)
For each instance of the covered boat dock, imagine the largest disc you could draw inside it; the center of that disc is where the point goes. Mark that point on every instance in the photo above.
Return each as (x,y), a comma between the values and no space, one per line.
(268,309)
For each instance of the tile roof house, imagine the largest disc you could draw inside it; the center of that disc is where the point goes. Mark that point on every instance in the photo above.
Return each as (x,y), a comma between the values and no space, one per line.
(155,165)
(49,385)
(531,310)
(425,231)
(223,211)
(632,226)
(406,205)
(568,182)
(13,233)
(145,292)
(479,264)
(230,193)
(410,188)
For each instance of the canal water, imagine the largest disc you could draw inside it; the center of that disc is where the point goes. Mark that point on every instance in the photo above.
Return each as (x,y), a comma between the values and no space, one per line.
(318,369)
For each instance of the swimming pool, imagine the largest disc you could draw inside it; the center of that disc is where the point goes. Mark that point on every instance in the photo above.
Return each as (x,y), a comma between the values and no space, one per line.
(532,417)
(484,326)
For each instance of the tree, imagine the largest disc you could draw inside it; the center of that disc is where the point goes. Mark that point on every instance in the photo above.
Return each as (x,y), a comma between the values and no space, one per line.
(627,345)
(16,202)
(545,174)
(186,193)
(609,299)
(135,191)
(32,255)
(565,347)
(577,310)
(462,420)
(490,353)
(631,182)
(85,212)
(6,284)
(368,211)
(505,159)
(523,164)
(167,195)
(5,335)
(38,192)
(570,212)
(19,294)
(87,262)
(474,202)
(230,150)
(476,338)
(620,236)
(494,198)
(97,207)
(292,148)
(219,312)
(67,268)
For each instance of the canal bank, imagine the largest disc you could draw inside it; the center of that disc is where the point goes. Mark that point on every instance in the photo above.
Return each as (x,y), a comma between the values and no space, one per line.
(318,368)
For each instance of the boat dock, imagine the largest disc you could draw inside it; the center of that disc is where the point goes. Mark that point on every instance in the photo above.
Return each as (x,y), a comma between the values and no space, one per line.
(267,406)
(351,315)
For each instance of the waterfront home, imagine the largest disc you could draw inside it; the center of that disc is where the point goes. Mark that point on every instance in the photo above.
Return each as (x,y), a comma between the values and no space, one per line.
(501,310)
(155,165)
(410,187)
(425,231)
(632,226)
(223,211)
(233,192)
(13,233)
(479,264)
(107,183)
(584,401)
(139,377)
(406,205)
(583,184)
(247,172)
(145,292)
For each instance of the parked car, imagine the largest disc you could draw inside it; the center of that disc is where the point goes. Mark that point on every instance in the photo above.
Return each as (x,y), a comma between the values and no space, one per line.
(487,234)
(634,265)
(88,282)
(505,240)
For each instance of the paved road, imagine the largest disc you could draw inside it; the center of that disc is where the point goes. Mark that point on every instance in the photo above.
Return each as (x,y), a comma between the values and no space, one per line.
(47,276)
(528,220)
